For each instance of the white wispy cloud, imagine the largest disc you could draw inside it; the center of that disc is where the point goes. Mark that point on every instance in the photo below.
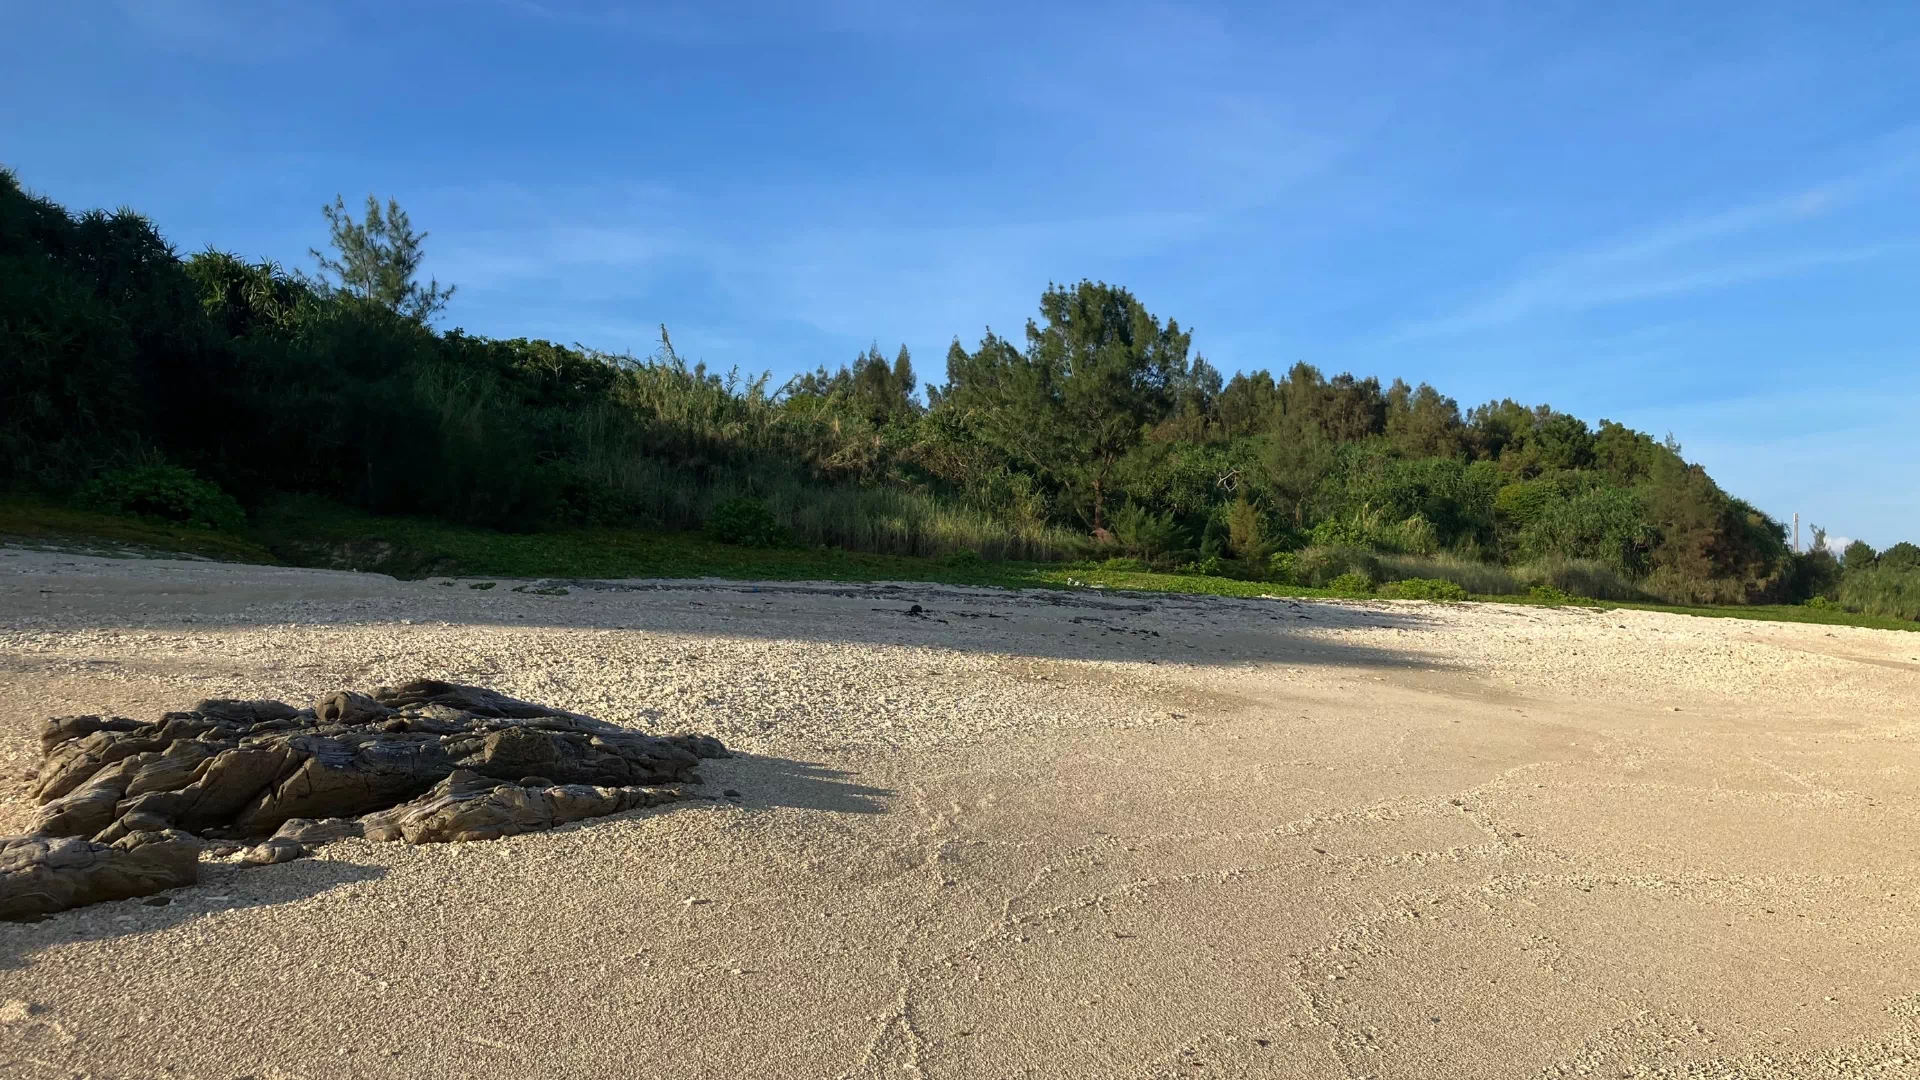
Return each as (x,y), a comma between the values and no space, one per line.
(1756,241)
(501,258)
(245,33)
(1678,257)
(1213,145)
(900,282)
(1828,451)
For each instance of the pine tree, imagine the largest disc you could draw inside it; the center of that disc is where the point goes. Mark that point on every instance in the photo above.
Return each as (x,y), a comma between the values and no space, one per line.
(380,258)
(1093,377)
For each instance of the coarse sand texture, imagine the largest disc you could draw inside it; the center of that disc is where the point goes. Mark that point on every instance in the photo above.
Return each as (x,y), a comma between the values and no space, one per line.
(980,833)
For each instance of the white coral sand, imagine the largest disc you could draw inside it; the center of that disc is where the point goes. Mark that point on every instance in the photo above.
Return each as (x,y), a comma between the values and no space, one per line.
(1047,834)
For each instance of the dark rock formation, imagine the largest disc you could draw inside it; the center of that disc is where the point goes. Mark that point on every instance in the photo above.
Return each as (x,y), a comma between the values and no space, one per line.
(40,875)
(468,806)
(425,762)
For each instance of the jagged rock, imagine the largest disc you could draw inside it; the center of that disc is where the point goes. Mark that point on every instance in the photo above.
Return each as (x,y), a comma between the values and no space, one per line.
(67,728)
(428,761)
(246,712)
(273,850)
(474,700)
(342,777)
(178,766)
(131,822)
(311,831)
(348,707)
(227,783)
(80,813)
(73,763)
(468,806)
(40,875)
(701,746)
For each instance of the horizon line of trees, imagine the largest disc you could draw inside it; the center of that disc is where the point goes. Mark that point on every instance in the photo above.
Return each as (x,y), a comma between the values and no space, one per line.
(1099,432)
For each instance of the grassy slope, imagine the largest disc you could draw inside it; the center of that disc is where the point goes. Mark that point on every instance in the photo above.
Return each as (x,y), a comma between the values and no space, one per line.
(309,533)
(33,522)
(305,533)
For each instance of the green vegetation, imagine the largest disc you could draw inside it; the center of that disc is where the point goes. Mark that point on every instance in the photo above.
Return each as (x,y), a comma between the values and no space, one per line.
(1888,593)
(1422,589)
(37,522)
(215,397)
(1884,585)
(165,492)
(1588,579)
(311,532)
(746,522)
(1350,584)
(1472,575)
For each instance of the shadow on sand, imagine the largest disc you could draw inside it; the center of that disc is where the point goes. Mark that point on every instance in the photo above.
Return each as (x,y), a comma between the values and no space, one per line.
(1034,623)
(221,888)
(766,782)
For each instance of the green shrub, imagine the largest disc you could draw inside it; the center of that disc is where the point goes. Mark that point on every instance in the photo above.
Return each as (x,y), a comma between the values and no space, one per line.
(963,559)
(1549,594)
(1820,603)
(167,492)
(1146,534)
(1901,556)
(1858,556)
(271,383)
(1604,524)
(1485,579)
(1210,566)
(1123,563)
(1319,566)
(1423,589)
(1351,584)
(1587,578)
(1282,567)
(746,522)
(1414,536)
(1247,534)
(1890,594)
(1816,572)
(1673,585)
(879,519)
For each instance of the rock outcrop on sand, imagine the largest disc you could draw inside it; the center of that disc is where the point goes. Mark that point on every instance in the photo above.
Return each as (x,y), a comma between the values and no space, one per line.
(126,806)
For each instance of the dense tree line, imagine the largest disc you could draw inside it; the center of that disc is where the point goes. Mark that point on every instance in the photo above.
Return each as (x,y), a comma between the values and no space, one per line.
(1100,433)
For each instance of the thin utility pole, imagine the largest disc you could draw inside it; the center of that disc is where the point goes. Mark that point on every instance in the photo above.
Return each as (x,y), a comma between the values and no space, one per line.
(1796,532)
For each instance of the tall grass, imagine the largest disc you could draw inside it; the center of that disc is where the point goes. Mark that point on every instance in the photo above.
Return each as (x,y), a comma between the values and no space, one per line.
(684,441)
(1485,579)
(890,521)
(1589,578)
(643,489)
(1317,566)
(1889,594)
(1675,586)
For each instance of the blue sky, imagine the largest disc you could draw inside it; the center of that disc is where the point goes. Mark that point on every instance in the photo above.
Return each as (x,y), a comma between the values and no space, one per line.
(1698,218)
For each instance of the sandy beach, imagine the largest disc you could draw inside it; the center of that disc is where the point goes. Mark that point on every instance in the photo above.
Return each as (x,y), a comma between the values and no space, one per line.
(981,833)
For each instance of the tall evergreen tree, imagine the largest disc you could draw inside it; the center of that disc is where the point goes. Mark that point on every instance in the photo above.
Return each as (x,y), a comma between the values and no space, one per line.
(1858,556)
(1113,370)
(1093,377)
(379,260)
